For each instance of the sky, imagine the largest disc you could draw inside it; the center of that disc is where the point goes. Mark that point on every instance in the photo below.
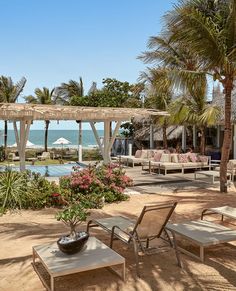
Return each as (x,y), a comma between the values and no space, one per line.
(53,41)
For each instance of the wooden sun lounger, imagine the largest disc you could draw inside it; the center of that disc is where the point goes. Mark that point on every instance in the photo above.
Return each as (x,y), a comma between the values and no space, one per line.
(223,210)
(202,233)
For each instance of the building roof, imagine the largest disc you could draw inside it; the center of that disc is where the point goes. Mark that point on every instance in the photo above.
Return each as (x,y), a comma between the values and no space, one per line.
(23,111)
(172,132)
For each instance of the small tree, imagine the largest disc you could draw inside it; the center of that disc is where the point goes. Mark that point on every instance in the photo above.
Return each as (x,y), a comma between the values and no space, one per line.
(72,216)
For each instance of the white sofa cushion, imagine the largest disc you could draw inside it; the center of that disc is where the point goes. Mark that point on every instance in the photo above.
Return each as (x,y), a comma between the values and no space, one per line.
(174,158)
(165,158)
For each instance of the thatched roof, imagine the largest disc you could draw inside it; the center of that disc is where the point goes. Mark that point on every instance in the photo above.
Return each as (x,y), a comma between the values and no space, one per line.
(144,133)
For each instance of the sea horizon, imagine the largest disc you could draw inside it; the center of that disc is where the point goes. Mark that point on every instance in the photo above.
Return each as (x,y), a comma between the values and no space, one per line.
(36,136)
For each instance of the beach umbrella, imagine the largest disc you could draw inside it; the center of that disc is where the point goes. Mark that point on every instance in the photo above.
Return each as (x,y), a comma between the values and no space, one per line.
(28,144)
(61,141)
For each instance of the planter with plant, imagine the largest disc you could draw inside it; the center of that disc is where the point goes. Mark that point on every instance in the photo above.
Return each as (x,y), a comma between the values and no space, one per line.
(72,216)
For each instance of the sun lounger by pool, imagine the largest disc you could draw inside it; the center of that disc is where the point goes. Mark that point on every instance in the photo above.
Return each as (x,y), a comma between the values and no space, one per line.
(44,156)
(223,211)
(202,233)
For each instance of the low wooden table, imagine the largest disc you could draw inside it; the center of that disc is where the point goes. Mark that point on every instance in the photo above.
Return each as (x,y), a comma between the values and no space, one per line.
(212,174)
(94,255)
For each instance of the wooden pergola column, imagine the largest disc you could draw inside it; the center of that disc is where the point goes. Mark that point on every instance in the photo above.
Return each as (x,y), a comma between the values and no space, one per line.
(22,139)
(108,141)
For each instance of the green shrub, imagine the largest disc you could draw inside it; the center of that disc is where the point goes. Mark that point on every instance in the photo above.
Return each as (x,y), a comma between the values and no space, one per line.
(13,186)
(25,190)
(40,192)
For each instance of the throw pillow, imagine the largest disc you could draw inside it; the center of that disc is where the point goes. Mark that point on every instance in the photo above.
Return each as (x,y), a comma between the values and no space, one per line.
(144,154)
(174,158)
(138,154)
(183,158)
(192,157)
(157,157)
(165,158)
(203,159)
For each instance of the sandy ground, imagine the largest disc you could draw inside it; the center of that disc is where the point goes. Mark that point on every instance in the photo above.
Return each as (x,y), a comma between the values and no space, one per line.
(20,231)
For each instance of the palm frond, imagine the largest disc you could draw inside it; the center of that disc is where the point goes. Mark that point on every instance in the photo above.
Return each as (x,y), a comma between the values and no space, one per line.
(211,115)
(194,27)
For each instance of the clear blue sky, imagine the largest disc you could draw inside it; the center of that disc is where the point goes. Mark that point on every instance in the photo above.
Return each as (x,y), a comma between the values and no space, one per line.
(53,41)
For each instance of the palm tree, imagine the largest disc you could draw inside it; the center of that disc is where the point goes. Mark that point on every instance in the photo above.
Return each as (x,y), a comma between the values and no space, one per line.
(159,93)
(191,110)
(185,72)
(44,96)
(69,92)
(212,37)
(9,92)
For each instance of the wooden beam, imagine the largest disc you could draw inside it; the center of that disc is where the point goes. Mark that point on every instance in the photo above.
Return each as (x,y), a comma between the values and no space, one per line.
(92,124)
(118,123)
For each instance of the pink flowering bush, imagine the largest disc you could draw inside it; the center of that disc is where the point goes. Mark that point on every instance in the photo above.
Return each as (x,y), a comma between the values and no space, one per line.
(95,185)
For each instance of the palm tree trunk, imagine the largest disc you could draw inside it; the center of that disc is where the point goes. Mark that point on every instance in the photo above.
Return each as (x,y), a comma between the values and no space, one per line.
(228,87)
(46,135)
(164,127)
(80,133)
(202,141)
(5,138)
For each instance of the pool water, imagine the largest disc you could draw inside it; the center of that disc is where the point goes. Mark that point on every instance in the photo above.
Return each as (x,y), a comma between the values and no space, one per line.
(52,170)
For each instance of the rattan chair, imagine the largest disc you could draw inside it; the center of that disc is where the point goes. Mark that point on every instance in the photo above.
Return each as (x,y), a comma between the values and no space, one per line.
(149,225)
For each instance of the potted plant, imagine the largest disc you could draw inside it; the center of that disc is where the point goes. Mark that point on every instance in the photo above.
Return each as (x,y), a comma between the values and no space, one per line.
(72,216)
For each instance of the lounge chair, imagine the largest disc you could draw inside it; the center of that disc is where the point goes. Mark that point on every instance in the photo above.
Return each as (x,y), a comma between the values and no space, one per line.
(12,157)
(223,211)
(201,233)
(44,156)
(148,226)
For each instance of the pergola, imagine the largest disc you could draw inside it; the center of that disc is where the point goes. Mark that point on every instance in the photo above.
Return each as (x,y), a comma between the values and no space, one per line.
(27,113)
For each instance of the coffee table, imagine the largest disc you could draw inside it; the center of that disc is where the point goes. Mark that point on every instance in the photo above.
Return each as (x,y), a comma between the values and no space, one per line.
(212,174)
(93,256)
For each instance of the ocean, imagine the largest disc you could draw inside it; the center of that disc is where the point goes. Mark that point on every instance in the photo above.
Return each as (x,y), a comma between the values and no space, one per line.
(37,137)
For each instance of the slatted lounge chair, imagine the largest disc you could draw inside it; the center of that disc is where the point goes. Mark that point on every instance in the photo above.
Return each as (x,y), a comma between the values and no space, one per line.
(12,157)
(148,226)
(44,156)
(223,211)
(202,233)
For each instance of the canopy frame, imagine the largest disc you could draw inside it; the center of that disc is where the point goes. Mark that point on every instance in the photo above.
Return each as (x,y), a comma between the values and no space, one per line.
(27,113)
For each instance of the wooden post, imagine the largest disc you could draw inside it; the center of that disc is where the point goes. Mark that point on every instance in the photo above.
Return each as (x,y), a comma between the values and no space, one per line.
(194,137)
(218,135)
(22,139)
(106,150)
(118,123)
(151,137)
(184,138)
(92,124)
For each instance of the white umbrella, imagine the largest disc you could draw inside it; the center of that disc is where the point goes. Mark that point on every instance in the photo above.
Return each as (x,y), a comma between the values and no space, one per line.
(62,141)
(28,144)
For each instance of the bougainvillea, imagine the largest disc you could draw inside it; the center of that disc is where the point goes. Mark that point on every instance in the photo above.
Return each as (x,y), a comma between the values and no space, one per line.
(106,182)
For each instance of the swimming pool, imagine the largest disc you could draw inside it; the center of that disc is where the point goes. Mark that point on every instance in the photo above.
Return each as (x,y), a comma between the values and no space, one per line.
(51,170)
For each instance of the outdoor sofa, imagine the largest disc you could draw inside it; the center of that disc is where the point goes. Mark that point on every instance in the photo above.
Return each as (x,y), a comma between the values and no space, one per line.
(139,157)
(166,161)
